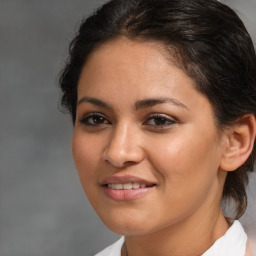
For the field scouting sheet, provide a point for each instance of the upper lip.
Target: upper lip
(124, 180)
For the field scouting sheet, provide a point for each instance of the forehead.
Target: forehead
(129, 52)
(132, 63)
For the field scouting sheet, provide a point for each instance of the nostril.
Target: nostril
(128, 163)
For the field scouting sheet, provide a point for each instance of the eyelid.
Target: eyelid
(169, 119)
(92, 114)
(161, 115)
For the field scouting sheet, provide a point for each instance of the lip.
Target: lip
(125, 179)
(123, 194)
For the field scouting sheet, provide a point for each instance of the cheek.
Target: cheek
(85, 157)
(169, 155)
(189, 175)
(186, 159)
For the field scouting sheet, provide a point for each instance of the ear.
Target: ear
(240, 142)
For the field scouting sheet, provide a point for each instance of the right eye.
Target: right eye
(94, 119)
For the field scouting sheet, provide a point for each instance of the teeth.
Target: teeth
(135, 185)
(126, 186)
(110, 185)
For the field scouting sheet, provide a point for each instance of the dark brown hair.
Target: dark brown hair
(208, 41)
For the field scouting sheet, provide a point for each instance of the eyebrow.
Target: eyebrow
(138, 105)
(94, 101)
(152, 102)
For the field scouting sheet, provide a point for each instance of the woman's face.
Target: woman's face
(145, 143)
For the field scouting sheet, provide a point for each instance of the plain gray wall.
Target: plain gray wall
(43, 210)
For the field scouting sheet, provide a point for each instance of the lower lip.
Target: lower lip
(126, 195)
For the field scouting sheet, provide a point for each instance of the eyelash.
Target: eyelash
(90, 119)
(161, 121)
(165, 121)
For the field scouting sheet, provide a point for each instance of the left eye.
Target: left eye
(159, 121)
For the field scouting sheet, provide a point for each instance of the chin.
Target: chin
(129, 230)
(126, 225)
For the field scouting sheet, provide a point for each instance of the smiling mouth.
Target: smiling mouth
(128, 186)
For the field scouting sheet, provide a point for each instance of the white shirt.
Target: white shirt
(233, 243)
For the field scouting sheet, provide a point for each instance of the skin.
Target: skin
(180, 151)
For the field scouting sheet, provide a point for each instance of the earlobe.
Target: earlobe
(239, 144)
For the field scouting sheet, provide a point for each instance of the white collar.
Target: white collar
(233, 243)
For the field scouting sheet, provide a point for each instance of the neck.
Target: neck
(190, 237)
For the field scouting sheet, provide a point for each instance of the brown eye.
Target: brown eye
(94, 119)
(159, 121)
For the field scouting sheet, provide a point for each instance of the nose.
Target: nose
(124, 147)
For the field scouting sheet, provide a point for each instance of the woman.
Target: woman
(163, 99)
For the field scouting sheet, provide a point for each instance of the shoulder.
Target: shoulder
(112, 250)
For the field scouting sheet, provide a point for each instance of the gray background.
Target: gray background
(43, 210)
